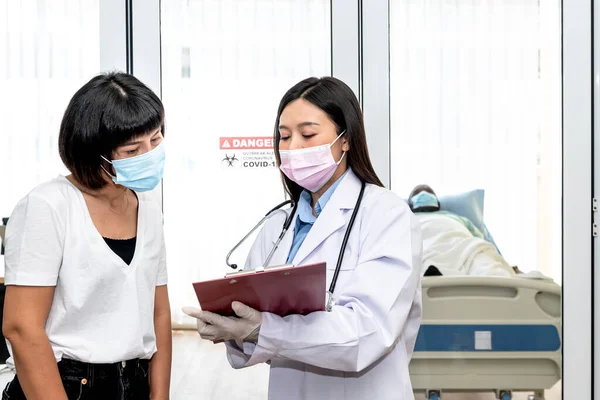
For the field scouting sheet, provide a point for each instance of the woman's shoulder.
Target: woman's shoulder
(380, 198)
(384, 209)
(56, 192)
(48, 199)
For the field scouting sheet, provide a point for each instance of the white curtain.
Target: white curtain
(475, 103)
(226, 64)
(48, 49)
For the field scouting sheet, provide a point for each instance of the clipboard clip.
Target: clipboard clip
(256, 270)
(330, 301)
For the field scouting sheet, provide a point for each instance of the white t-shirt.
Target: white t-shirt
(103, 309)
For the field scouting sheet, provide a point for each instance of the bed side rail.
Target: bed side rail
(475, 299)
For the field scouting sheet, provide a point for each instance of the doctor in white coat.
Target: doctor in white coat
(361, 349)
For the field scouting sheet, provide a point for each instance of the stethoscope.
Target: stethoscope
(286, 225)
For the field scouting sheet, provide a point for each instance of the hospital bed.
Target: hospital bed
(488, 334)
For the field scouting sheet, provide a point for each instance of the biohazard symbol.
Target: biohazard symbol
(230, 160)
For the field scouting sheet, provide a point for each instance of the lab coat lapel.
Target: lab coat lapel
(281, 254)
(331, 218)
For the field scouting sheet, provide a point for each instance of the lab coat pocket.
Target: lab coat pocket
(347, 268)
(349, 262)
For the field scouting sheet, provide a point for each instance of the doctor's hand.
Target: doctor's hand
(211, 326)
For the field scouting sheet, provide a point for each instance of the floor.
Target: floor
(201, 371)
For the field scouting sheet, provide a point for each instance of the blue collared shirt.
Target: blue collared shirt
(305, 219)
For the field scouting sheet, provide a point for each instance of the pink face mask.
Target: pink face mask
(310, 168)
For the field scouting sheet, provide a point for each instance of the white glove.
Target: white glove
(217, 328)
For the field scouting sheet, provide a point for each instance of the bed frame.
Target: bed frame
(488, 334)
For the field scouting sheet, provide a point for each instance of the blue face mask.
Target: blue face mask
(424, 199)
(140, 173)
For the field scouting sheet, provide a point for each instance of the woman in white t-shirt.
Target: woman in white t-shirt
(87, 313)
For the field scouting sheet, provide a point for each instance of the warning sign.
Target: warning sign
(247, 152)
(246, 143)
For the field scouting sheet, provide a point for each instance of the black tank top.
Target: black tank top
(124, 248)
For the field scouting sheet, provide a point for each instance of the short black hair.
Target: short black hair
(108, 111)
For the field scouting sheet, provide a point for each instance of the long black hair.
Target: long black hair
(338, 101)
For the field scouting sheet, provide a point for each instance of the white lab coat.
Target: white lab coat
(362, 348)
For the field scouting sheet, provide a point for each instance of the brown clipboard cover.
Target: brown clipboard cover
(281, 290)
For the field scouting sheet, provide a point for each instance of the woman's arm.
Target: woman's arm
(26, 309)
(160, 365)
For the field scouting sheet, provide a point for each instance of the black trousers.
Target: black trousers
(83, 381)
(3, 348)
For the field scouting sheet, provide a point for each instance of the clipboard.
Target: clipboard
(281, 290)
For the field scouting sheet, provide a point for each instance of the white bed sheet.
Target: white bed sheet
(449, 246)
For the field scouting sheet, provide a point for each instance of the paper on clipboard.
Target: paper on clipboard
(282, 290)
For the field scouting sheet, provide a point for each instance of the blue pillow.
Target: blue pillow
(468, 205)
